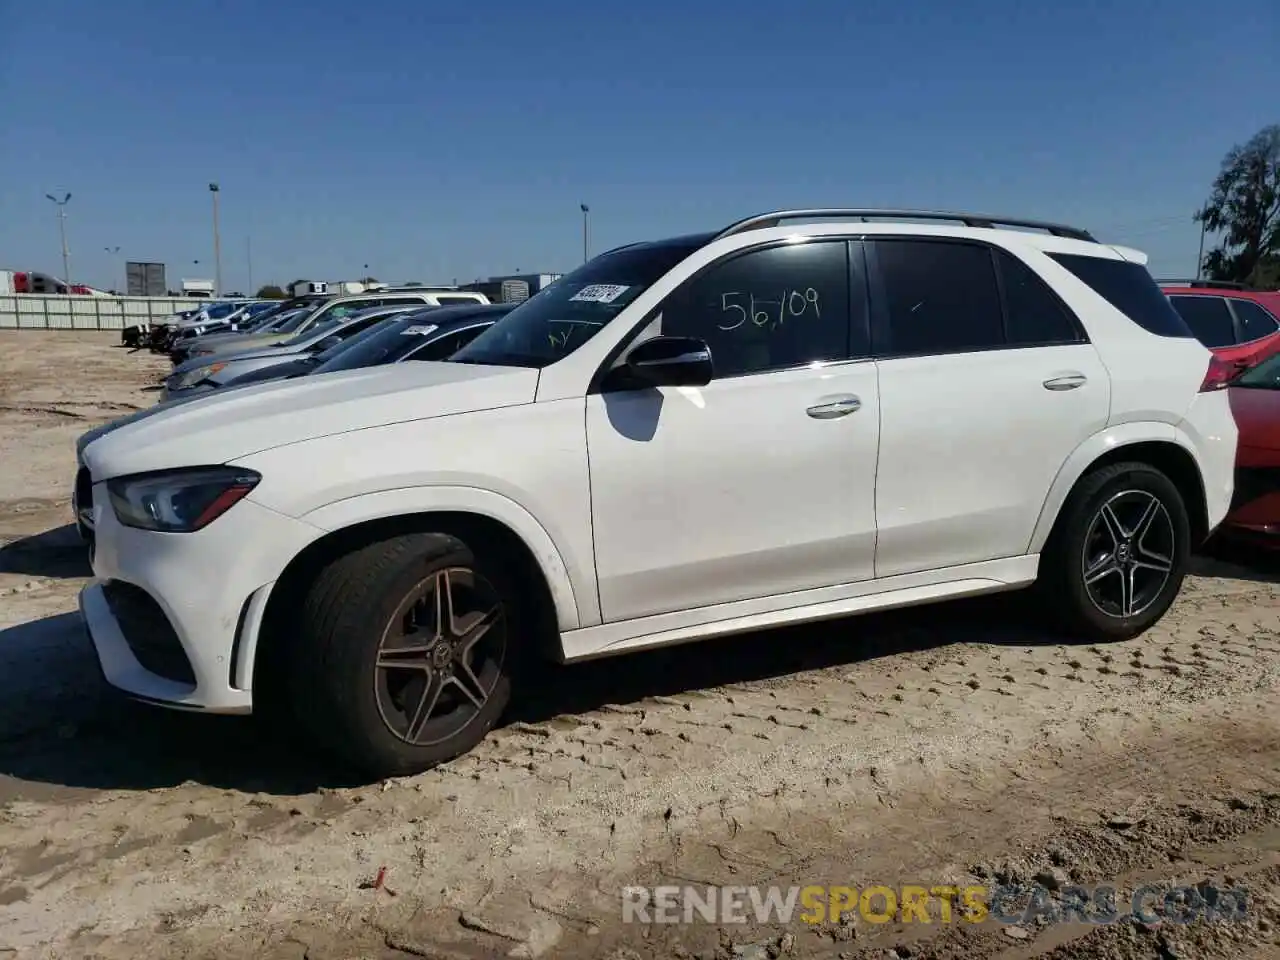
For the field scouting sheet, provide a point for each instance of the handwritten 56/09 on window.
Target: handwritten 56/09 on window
(766, 313)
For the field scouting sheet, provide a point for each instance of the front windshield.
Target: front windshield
(221, 310)
(288, 324)
(381, 343)
(562, 317)
(311, 334)
(1265, 376)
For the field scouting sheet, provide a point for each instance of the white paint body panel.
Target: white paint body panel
(705, 495)
(726, 509)
(971, 442)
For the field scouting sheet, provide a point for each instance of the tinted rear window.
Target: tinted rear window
(1129, 288)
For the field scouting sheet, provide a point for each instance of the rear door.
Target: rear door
(987, 385)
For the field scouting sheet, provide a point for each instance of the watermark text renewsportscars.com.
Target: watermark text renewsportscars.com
(939, 903)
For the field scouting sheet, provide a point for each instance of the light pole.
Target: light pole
(585, 211)
(217, 245)
(248, 254)
(115, 251)
(1200, 258)
(62, 231)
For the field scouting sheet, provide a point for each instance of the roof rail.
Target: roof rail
(1207, 284)
(765, 220)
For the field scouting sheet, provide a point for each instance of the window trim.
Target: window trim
(882, 330)
(628, 340)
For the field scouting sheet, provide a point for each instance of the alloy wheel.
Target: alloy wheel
(440, 657)
(1128, 553)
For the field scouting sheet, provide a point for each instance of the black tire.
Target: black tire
(1079, 543)
(348, 703)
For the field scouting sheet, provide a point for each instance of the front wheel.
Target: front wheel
(1117, 559)
(406, 653)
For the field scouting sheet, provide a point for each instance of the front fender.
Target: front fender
(439, 499)
(1087, 453)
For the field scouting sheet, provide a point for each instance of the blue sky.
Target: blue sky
(437, 140)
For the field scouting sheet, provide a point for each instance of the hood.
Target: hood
(226, 424)
(251, 352)
(89, 436)
(221, 343)
(297, 367)
(1257, 416)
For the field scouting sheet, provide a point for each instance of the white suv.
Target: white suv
(806, 415)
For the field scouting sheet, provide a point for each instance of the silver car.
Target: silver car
(199, 373)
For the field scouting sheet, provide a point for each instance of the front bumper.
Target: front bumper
(174, 617)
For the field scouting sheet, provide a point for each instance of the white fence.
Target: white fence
(38, 311)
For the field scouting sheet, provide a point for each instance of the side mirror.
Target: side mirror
(670, 362)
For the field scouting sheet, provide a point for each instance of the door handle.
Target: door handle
(840, 407)
(1066, 381)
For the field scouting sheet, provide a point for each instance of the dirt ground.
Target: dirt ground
(949, 745)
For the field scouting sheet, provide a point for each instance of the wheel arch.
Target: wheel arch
(1162, 447)
(537, 564)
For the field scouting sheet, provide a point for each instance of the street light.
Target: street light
(585, 210)
(62, 231)
(217, 245)
(113, 251)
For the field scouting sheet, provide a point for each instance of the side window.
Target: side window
(768, 309)
(1033, 314)
(446, 301)
(1129, 288)
(1208, 318)
(940, 297)
(1255, 321)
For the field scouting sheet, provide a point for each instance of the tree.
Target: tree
(1244, 207)
(270, 292)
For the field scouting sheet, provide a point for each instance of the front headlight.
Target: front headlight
(179, 501)
(192, 377)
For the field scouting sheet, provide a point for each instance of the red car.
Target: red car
(1255, 508)
(1240, 326)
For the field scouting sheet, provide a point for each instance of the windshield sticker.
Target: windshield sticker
(600, 292)
(421, 329)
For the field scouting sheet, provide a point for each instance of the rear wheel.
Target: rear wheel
(1117, 559)
(406, 653)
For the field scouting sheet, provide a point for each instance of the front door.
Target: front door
(762, 482)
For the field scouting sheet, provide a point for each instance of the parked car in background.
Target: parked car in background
(1255, 506)
(206, 372)
(280, 321)
(159, 333)
(435, 333)
(1240, 326)
(200, 325)
(334, 308)
(803, 415)
(148, 333)
(244, 322)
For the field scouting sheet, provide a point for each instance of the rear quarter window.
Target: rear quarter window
(1129, 288)
(1255, 321)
